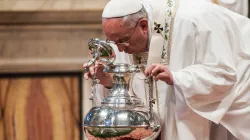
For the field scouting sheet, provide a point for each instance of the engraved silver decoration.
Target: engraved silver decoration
(122, 115)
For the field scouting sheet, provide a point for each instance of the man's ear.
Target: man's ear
(144, 25)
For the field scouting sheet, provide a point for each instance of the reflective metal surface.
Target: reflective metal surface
(122, 115)
(114, 123)
(108, 116)
(102, 51)
(121, 134)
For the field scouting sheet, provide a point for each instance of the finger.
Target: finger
(149, 69)
(99, 68)
(87, 75)
(85, 65)
(99, 71)
(158, 69)
(97, 63)
(163, 77)
(92, 70)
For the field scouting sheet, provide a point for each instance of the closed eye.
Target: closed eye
(123, 40)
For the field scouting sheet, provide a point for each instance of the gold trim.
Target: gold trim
(168, 52)
(215, 1)
(171, 32)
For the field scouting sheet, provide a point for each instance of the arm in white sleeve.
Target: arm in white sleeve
(238, 6)
(207, 83)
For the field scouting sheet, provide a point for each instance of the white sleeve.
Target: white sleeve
(238, 6)
(206, 84)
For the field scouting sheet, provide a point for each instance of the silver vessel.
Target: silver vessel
(122, 115)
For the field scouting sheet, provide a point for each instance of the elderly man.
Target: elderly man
(199, 53)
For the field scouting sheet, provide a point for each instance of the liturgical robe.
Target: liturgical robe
(210, 63)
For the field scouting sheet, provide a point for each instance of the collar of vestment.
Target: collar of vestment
(161, 24)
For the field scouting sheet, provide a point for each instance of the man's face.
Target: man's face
(128, 39)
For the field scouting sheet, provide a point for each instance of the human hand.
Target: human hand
(160, 72)
(96, 71)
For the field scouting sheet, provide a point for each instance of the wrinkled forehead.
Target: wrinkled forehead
(114, 27)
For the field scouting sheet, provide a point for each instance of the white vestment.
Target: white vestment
(238, 6)
(210, 63)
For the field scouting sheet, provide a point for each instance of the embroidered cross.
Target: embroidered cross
(158, 28)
